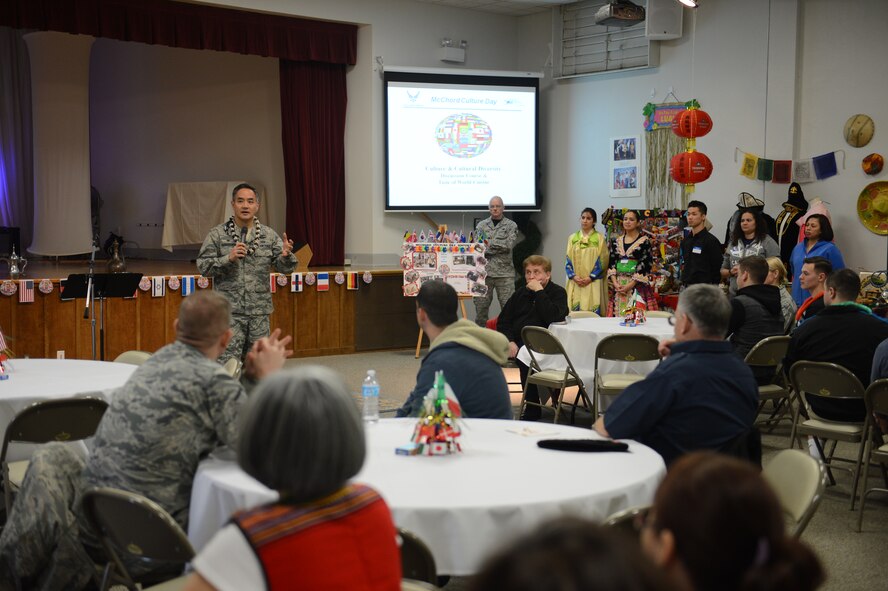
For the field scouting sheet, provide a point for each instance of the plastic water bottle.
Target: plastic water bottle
(370, 394)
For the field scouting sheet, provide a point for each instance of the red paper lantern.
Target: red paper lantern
(692, 123)
(690, 167)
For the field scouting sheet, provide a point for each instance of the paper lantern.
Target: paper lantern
(692, 123)
(690, 167)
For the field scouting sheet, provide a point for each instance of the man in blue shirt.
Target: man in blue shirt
(701, 397)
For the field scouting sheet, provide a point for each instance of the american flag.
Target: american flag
(26, 291)
(3, 345)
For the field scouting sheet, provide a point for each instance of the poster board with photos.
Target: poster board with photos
(461, 265)
(665, 229)
(625, 171)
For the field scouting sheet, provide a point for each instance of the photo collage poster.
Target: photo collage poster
(625, 167)
(461, 265)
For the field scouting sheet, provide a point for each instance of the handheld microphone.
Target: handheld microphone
(244, 234)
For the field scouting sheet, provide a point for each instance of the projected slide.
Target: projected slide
(454, 146)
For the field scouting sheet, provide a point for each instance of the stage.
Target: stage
(374, 316)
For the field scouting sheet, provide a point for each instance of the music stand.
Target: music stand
(105, 285)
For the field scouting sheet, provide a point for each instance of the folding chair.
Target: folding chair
(829, 381)
(876, 399)
(133, 357)
(417, 562)
(768, 354)
(629, 520)
(798, 480)
(658, 314)
(68, 419)
(621, 347)
(233, 367)
(576, 314)
(540, 341)
(130, 525)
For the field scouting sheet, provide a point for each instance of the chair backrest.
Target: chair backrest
(876, 398)
(233, 367)
(798, 480)
(414, 585)
(627, 519)
(540, 341)
(627, 347)
(583, 314)
(68, 419)
(658, 314)
(417, 561)
(768, 352)
(133, 357)
(828, 380)
(127, 523)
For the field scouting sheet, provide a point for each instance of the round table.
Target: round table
(465, 505)
(36, 380)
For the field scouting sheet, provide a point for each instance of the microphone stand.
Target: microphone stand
(89, 310)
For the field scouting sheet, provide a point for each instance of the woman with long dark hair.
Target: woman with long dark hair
(631, 260)
(586, 266)
(749, 238)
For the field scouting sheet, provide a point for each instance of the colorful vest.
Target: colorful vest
(343, 541)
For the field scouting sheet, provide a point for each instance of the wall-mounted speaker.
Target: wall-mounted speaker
(663, 20)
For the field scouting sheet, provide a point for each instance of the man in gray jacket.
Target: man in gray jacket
(502, 234)
(239, 255)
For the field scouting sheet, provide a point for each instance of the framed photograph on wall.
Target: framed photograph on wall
(625, 166)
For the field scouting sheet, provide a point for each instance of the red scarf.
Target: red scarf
(806, 304)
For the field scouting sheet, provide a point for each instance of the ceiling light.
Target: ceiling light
(690, 3)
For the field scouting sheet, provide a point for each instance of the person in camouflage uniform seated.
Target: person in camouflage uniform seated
(502, 234)
(172, 412)
(239, 255)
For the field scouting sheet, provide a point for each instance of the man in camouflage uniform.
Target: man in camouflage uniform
(173, 411)
(502, 234)
(239, 256)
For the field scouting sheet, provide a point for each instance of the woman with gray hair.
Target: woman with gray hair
(302, 436)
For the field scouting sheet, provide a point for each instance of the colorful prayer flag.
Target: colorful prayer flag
(782, 171)
(765, 170)
(351, 281)
(749, 166)
(825, 166)
(158, 287)
(803, 171)
(26, 291)
(323, 281)
(187, 285)
(272, 282)
(296, 282)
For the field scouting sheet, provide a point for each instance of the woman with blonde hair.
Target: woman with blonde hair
(777, 277)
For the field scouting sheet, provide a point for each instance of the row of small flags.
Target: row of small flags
(805, 170)
(452, 237)
(158, 285)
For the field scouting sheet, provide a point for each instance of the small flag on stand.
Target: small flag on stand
(158, 287)
(323, 281)
(26, 291)
(296, 282)
(272, 282)
(3, 345)
(187, 285)
(351, 281)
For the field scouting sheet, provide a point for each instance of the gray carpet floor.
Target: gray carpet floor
(853, 561)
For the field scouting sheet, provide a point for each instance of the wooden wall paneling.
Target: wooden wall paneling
(306, 305)
(121, 326)
(83, 330)
(7, 325)
(152, 322)
(28, 321)
(283, 314)
(173, 301)
(384, 318)
(347, 322)
(328, 317)
(60, 320)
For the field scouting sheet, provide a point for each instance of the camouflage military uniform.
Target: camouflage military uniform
(244, 282)
(500, 270)
(174, 410)
(39, 547)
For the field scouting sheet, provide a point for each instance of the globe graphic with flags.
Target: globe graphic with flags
(463, 135)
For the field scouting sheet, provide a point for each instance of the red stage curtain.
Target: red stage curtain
(313, 101)
(190, 26)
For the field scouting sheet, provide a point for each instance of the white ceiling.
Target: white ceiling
(510, 7)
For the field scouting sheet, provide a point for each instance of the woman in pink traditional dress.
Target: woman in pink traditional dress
(631, 259)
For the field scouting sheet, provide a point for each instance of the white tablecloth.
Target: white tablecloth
(35, 380)
(466, 505)
(580, 337)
